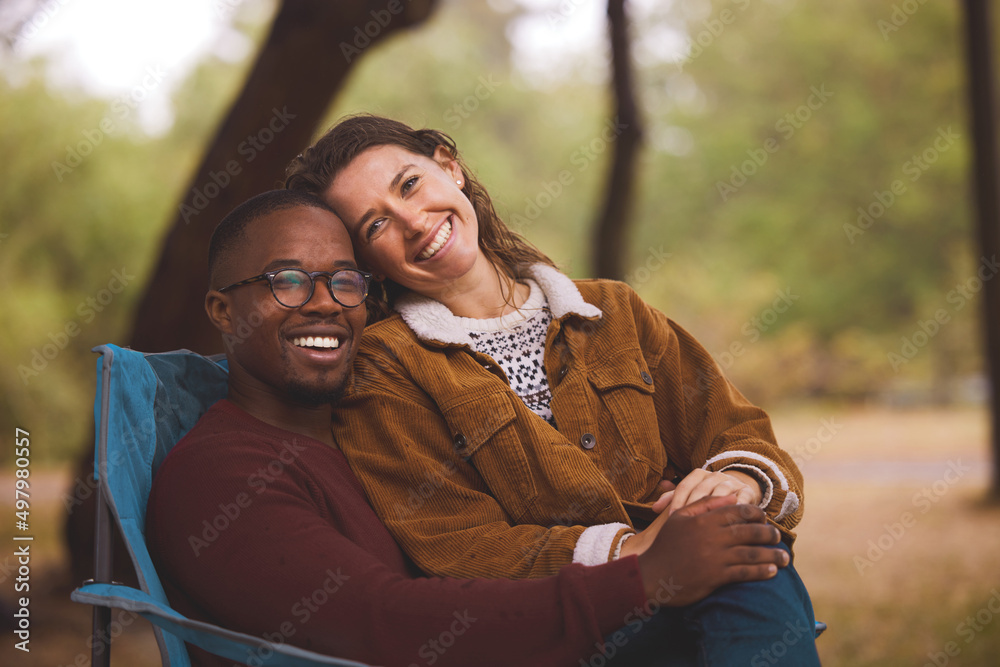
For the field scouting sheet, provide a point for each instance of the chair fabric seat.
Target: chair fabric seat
(145, 403)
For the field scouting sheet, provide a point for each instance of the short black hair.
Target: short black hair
(231, 232)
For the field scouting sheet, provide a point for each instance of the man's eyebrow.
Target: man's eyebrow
(297, 264)
(282, 264)
(392, 186)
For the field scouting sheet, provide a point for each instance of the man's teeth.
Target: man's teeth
(317, 341)
(442, 236)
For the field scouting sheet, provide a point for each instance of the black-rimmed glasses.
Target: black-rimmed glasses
(293, 288)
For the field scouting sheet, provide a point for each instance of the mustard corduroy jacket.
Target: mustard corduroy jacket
(472, 483)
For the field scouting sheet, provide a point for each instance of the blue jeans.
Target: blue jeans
(757, 624)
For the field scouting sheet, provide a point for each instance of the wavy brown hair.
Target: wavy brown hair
(315, 168)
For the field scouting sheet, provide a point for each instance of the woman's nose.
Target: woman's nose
(414, 222)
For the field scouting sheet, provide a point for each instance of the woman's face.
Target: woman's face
(408, 217)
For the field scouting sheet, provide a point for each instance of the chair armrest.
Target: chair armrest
(226, 643)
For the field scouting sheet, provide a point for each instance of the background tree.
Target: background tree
(304, 61)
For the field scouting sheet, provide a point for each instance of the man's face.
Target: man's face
(300, 355)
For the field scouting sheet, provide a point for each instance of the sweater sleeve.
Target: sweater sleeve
(251, 544)
(705, 422)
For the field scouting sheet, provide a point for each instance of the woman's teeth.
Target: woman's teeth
(318, 341)
(442, 236)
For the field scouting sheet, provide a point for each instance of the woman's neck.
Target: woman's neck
(484, 294)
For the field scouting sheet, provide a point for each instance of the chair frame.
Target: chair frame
(172, 629)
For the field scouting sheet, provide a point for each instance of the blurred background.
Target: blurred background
(799, 197)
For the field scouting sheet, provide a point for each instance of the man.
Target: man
(303, 559)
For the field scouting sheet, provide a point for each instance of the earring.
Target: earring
(459, 183)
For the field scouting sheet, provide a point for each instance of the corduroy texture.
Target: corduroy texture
(473, 484)
(268, 532)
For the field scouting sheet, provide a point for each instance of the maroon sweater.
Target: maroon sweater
(268, 532)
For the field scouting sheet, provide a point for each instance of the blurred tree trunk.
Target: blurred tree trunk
(611, 227)
(312, 46)
(986, 181)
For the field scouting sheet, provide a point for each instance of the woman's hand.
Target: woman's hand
(700, 484)
(708, 544)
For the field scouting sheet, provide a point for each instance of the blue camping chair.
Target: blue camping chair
(144, 404)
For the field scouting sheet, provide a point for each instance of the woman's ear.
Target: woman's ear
(448, 162)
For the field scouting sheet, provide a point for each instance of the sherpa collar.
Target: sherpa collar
(431, 320)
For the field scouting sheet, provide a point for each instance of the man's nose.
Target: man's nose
(322, 297)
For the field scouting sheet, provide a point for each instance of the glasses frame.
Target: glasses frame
(269, 277)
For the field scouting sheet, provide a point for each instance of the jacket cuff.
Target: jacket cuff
(789, 499)
(766, 485)
(596, 544)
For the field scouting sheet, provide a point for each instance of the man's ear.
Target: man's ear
(217, 307)
(448, 162)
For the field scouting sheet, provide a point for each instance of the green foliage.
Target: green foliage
(84, 197)
(752, 193)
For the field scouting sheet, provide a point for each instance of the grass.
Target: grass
(900, 578)
(898, 547)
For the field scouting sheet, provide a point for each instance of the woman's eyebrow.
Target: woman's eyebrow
(399, 176)
(392, 186)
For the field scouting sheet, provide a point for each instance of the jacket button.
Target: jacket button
(460, 440)
(646, 377)
(587, 441)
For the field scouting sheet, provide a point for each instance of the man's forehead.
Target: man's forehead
(301, 230)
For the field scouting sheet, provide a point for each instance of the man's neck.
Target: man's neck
(307, 420)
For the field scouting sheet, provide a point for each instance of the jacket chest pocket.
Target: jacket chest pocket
(484, 434)
(633, 457)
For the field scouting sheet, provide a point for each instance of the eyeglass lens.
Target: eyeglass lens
(293, 287)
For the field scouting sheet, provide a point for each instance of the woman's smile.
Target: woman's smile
(444, 233)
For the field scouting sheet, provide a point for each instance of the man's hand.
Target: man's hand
(700, 484)
(708, 544)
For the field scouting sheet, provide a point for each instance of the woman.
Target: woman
(507, 420)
